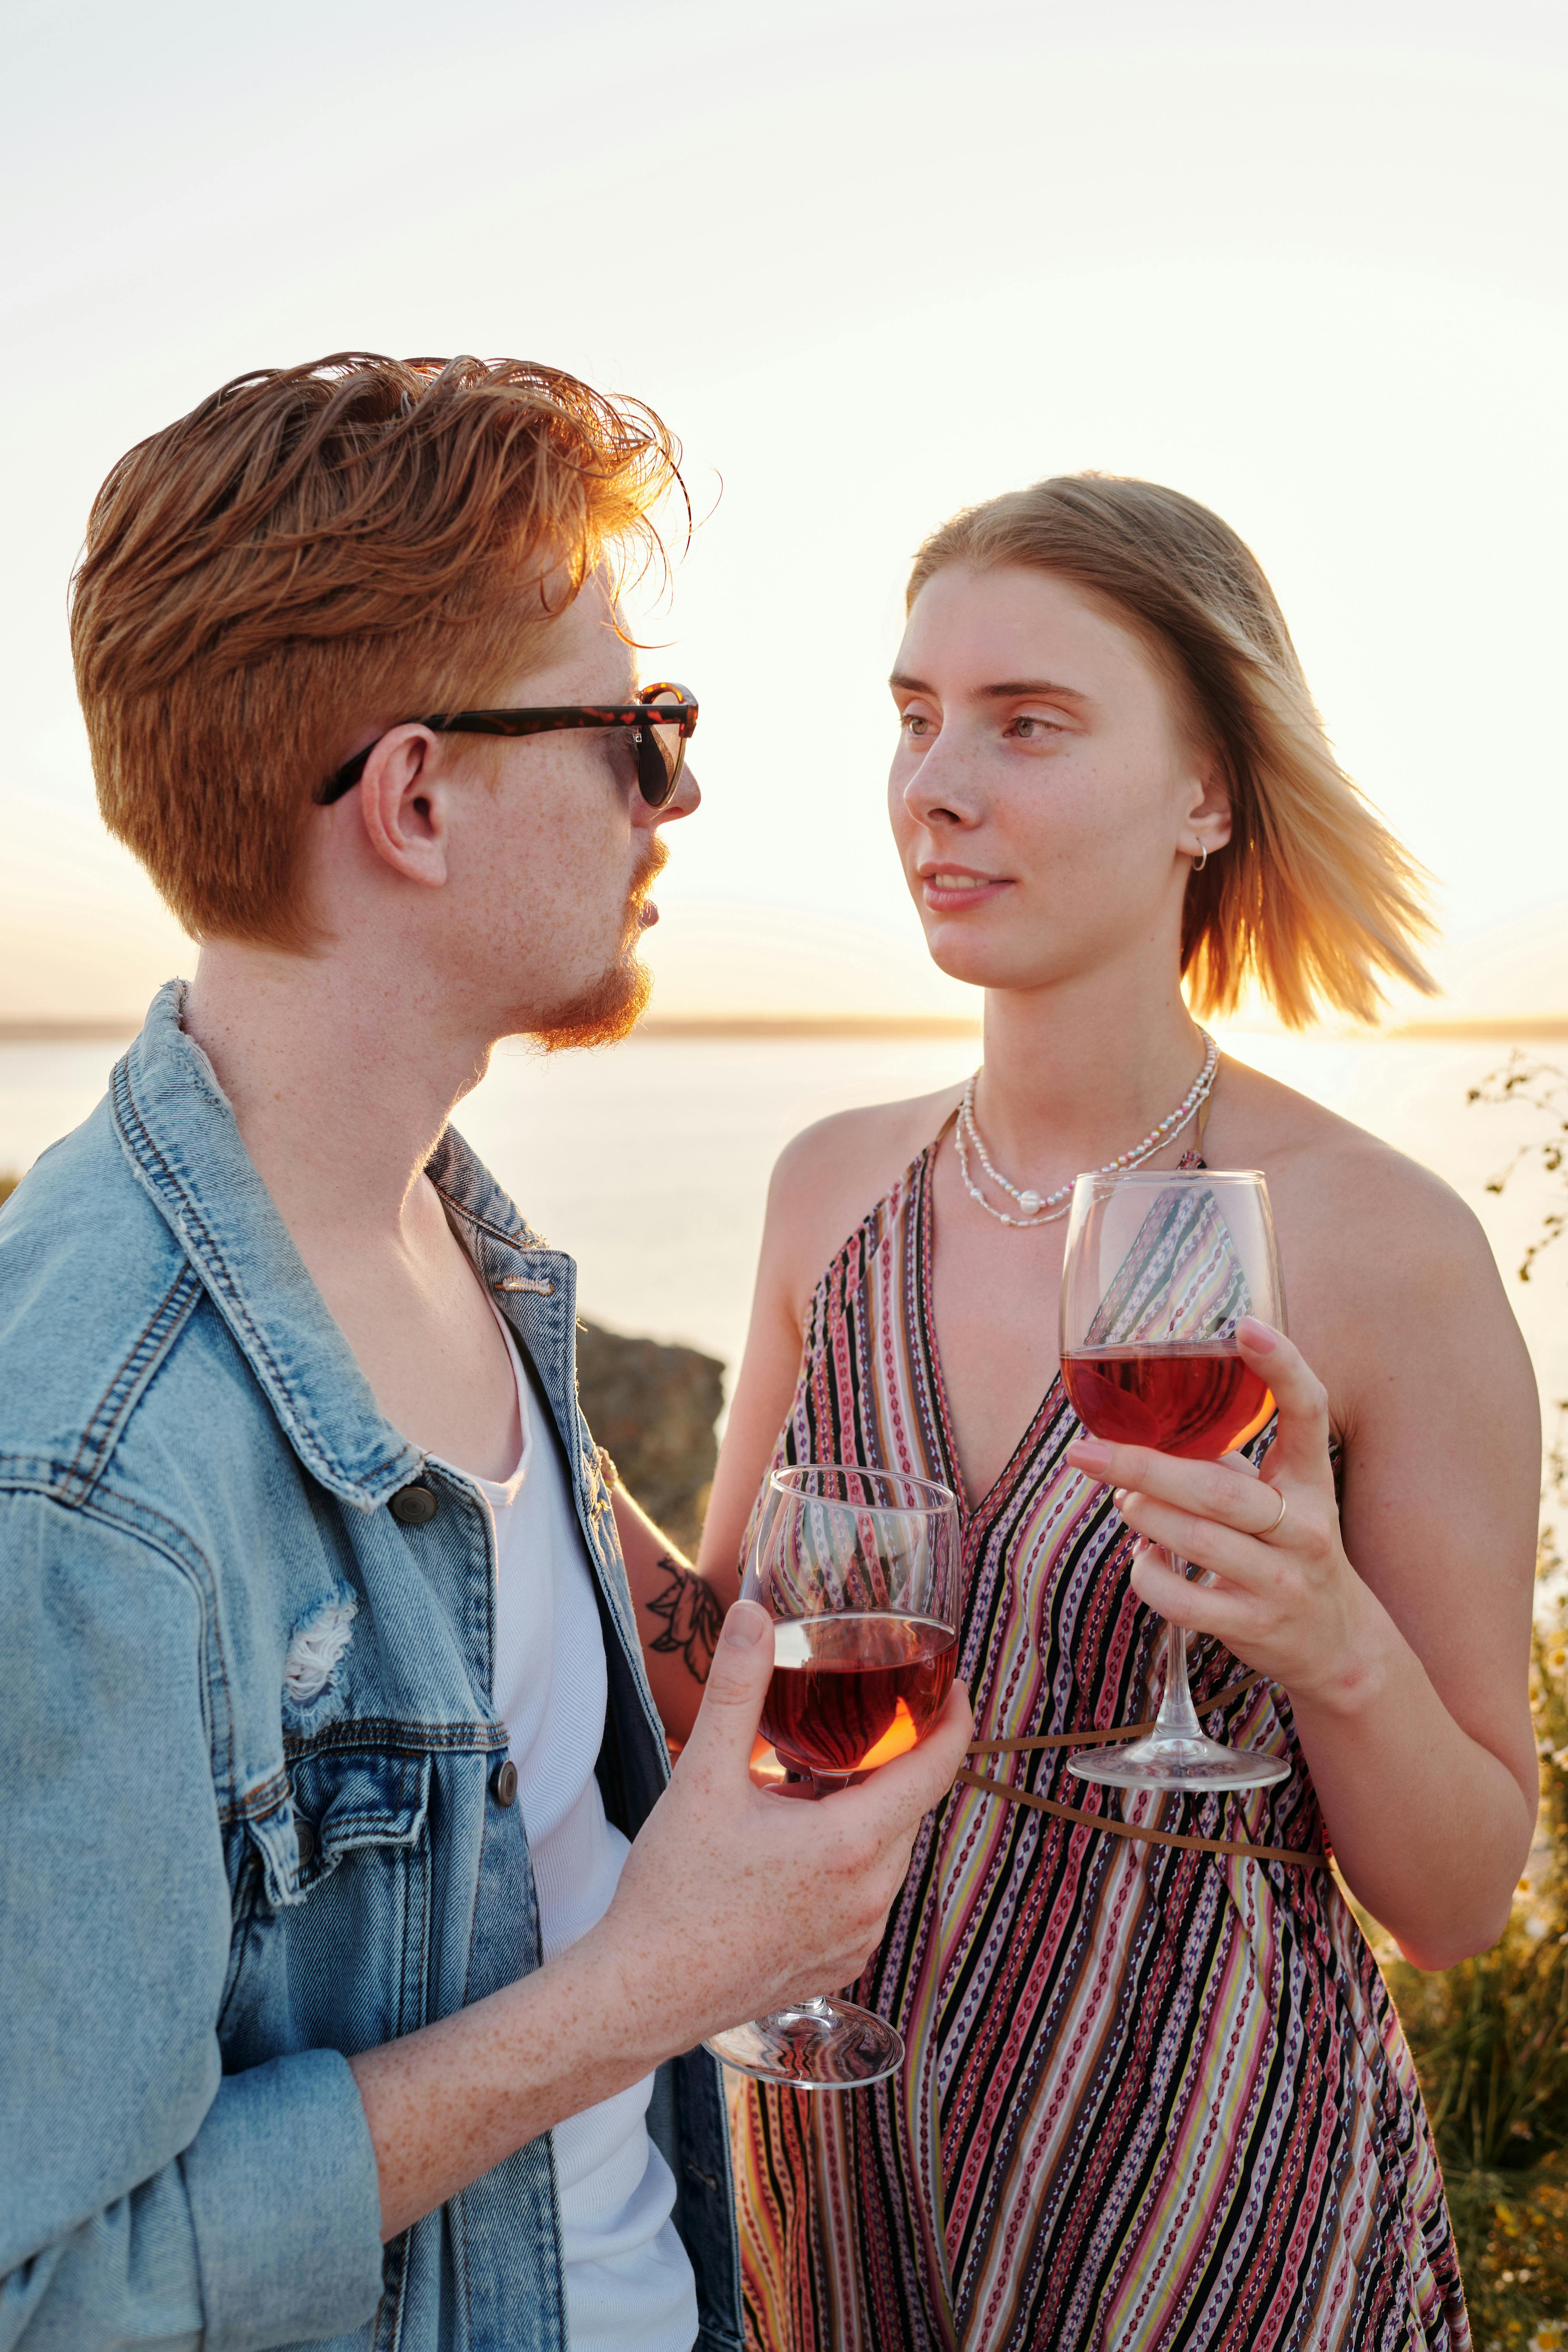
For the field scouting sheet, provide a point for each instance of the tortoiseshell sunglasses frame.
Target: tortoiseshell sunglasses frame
(658, 789)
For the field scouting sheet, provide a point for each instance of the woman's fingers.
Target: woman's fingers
(1208, 1490)
(1226, 1613)
(1300, 1446)
(1209, 1541)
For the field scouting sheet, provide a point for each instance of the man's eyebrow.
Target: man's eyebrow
(1007, 690)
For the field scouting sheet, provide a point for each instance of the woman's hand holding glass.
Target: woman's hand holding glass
(1282, 1595)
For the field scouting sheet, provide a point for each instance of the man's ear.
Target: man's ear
(403, 805)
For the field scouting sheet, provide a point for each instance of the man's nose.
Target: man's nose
(686, 800)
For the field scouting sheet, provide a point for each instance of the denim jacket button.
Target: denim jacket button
(506, 1783)
(414, 1507)
(305, 1837)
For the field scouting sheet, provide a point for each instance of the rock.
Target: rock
(652, 1407)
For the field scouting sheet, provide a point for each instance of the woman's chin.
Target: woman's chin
(982, 963)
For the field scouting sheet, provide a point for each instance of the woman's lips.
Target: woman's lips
(949, 890)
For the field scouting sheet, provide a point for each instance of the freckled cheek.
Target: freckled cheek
(1077, 817)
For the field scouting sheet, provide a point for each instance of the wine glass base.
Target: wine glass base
(1172, 1761)
(822, 2045)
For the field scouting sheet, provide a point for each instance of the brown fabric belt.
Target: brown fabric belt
(1294, 1856)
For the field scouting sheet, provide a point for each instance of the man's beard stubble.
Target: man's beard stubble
(614, 1005)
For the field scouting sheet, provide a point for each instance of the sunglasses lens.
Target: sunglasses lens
(661, 755)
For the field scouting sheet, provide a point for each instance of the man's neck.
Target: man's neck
(340, 1080)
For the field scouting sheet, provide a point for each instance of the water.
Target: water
(650, 1162)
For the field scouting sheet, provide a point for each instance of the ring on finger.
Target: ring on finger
(1275, 1522)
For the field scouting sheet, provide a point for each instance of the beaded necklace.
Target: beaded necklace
(1042, 1209)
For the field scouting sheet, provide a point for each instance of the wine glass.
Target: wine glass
(860, 1570)
(1160, 1265)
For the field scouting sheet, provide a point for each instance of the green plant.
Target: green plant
(1491, 2042)
(1512, 2230)
(1490, 2037)
(1544, 1088)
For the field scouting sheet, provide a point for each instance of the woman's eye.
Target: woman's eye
(1032, 729)
(915, 724)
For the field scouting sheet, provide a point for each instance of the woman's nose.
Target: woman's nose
(935, 792)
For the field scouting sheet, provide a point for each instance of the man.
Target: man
(308, 1569)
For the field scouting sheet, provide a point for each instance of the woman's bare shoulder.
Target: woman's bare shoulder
(1356, 1197)
(830, 1175)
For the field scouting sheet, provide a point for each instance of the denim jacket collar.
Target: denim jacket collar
(179, 1133)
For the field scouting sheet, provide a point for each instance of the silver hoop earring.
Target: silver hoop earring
(1202, 859)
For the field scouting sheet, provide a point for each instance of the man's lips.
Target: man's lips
(950, 890)
(641, 910)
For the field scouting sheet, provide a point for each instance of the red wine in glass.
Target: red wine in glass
(1181, 1397)
(859, 1570)
(852, 1691)
(1160, 1265)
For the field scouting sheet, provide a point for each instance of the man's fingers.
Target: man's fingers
(738, 1679)
(923, 1775)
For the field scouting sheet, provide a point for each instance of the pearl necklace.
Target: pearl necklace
(1041, 1209)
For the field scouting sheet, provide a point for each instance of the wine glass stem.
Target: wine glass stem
(1177, 1716)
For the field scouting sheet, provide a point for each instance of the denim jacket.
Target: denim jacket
(251, 1812)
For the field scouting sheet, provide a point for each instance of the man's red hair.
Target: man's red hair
(315, 552)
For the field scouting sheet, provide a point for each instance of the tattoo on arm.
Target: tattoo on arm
(692, 1618)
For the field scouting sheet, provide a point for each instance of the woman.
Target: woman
(1156, 2095)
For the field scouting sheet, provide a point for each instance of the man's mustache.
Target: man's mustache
(648, 873)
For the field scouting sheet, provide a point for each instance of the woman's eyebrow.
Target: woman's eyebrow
(1007, 690)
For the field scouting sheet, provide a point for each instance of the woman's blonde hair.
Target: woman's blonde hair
(1314, 896)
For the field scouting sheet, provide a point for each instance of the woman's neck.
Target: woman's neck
(1074, 1076)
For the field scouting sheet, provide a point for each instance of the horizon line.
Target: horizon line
(1524, 1028)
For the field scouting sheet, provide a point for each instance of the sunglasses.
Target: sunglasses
(661, 719)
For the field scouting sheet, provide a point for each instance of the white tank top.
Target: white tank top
(628, 2280)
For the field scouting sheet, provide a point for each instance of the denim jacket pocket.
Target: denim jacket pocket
(342, 1865)
(343, 1801)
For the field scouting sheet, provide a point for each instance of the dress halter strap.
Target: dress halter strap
(1195, 1158)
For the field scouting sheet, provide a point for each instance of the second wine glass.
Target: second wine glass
(1161, 1266)
(859, 1570)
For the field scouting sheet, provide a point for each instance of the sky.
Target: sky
(871, 262)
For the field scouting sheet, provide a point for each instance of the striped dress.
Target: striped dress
(1154, 2097)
